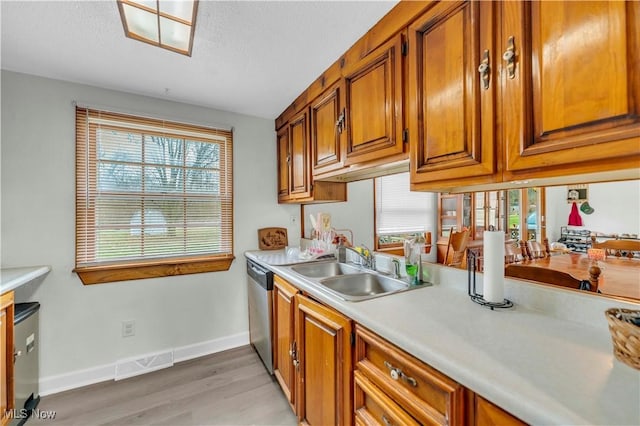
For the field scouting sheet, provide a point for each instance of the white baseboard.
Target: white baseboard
(196, 350)
(75, 379)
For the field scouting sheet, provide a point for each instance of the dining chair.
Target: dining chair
(456, 248)
(532, 249)
(551, 276)
(512, 252)
(618, 248)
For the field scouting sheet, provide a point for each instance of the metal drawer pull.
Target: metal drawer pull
(397, 373)
(386, 421)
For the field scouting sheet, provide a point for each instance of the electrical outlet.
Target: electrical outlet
(128, 328)
(293, 218)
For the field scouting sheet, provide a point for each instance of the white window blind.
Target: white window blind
(150, 189)
(398, 210)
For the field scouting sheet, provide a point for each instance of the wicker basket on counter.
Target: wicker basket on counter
(625, 335)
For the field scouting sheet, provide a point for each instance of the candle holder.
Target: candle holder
(476, 297)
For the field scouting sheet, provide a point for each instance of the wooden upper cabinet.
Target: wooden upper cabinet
(451, 104)
(295, 184)
(374, 103)
(283, 162)
(571, 98)
(299, 160)
(327, 128)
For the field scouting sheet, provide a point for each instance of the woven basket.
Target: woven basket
(625, 335)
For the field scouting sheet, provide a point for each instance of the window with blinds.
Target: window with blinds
(153, 198)
(401, 213)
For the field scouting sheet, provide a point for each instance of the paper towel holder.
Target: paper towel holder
(471, 285)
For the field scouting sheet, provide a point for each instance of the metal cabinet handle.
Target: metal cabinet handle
(296, 364)
(386, 421)
(397, 373)
(16, 354)
(484, 70)
(509, 56)
(340, 122)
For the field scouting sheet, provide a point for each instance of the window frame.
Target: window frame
(107, 271)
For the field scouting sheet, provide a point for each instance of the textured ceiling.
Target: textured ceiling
(250, 57)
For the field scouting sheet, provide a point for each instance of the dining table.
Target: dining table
(620, 276)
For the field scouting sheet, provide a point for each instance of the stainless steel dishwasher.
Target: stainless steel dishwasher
(26, 342)
(260, 292)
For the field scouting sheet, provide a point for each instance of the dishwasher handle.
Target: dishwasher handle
(260, 274)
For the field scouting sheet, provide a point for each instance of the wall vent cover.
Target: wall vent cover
(140, 365)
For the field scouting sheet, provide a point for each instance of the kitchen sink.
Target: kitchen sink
(325, 269)
(351, 282)
(363, 286)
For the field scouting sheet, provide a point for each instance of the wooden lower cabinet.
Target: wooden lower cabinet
(394, 388)
(333, 375)
(423, 393)
(323, 364)
(488, 414)
(312, 357)
(374, 407)
(284, 336)
(6, 357)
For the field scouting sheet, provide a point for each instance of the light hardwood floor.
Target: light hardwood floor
(227, 388)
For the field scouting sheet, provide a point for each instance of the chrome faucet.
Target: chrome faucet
(366, 257)
(396, 268)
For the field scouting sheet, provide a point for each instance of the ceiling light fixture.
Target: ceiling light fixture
(169, 24)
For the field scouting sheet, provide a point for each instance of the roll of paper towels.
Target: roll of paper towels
(493, 252)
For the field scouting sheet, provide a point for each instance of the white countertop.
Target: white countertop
(548, 360)
(12, 278)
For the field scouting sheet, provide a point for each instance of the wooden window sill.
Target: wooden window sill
(152, 269)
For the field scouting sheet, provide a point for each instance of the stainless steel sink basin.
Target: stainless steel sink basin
(363, 286)
(325, 269)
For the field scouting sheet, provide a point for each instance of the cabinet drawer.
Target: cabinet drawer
(373, 407)
(425, 393)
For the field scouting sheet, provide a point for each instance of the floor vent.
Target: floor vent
(136, 366)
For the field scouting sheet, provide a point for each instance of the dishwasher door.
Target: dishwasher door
(260, 294)
(26, 375)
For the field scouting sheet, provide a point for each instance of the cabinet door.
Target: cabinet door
(6, 357)
(451, 111)
(4, 401)
(572, 95)
(299, 161)
(283, 163)
(488, 414)
(327, 125)
(373, 89)
(324, 371)
(284, 336)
